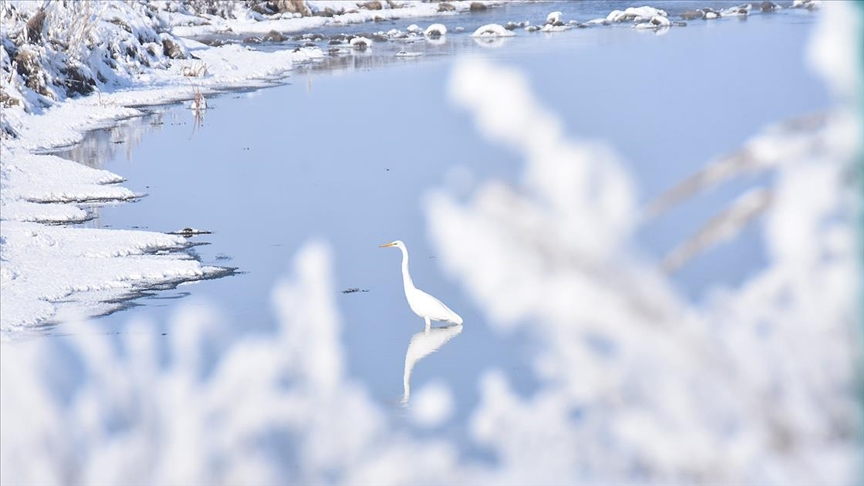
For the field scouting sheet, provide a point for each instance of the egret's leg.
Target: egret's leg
(428, 324)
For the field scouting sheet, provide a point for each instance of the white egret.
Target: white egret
(423, 304)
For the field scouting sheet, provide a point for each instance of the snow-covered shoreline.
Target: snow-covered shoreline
(43, 265)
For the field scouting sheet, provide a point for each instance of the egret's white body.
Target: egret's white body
(421, 303)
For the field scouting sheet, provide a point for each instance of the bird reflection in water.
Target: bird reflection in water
(423, 344)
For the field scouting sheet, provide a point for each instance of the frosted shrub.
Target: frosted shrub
(761, 384)
(69, 48)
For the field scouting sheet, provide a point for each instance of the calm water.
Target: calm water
(348, 159)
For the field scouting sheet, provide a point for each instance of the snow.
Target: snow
(408, 55)
(739, 11)
(555, 28)
(492, 30)
(85, 268)
(361, 43)
(436, 30)
(411, 9)
(554, 17)
(756, 385)
(635, 14)
(50, 179)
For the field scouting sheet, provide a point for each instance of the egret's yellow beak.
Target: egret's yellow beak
(386, 245)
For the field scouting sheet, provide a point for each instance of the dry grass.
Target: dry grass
(196, 69)
(82, 24)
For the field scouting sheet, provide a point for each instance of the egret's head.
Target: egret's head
(397, 244)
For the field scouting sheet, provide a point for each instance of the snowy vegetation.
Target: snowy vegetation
(52, 50)
(64, 49)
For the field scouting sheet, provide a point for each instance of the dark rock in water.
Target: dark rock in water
(434, 33)
(358, 42)
(309, 44)
(445, 7)
(477, 7)
(379, 38)
(693, 14)
(334, 42)
(742, 10)
(710, 14)
(768, 6)
(297, 37)
(511, 26)
(373, 5)
(354, 290)
(274, 36)
(189, 232)
(172, 49)
(678, 23)
(532, 28)
(251, 40)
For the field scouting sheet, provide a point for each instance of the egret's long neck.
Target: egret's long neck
(406, 277)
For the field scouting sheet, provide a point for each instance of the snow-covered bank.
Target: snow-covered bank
(242, 20)
(46, 268)
(91, 271)
(48, 189)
